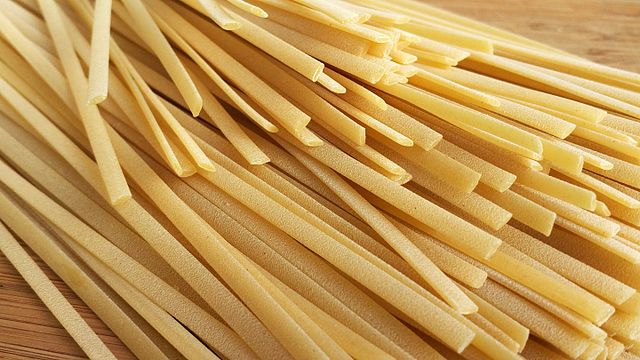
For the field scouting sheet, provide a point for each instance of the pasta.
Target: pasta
(304, 179)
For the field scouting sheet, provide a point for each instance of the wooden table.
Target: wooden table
(607, 31)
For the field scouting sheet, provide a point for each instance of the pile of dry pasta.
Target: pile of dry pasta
(317, 179)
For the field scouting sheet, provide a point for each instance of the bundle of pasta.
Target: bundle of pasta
(318, 179)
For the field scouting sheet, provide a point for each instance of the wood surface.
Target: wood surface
(607, 31)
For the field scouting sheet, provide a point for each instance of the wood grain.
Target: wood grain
(607, 31)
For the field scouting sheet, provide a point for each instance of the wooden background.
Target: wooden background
(607, 31)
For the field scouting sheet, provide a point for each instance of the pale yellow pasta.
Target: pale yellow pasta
(166, 325)
(618, 93)
(386, 326)
(478, 207)
(491, 175)
(117, 320)
(431, 59)
(340, 39)
(249, 8)
(447, 35)
(354, 29)
(228, 126)
(402, 57)
(148, 30)
(440, 166)
(291, 85)
(208, 176)
(582, 302)
(541, 323)
(369, 179)
(358, 89)
(81, 332)
(211, 245)
(287, 115)
(514, 330)
(161, 241)
(461, 339)
(41, 64)
(30, 25)
(514, 140)
(606, 188)
(337, 12)
(367, 120)
(429, 271)
(99, 67)
(534, 118)
(178, 160)
(355, 65)
(331, 85)
(440, 48)
(610, 244)
(370, 157)
(597, 282)
(325, 342)
(512, 91)
(557, 188)
(524, 210)
(93, 122)
(279, 49)
(479, 60)
(215, 12)
(452, 265)
(434, 83)
(219, 87)
(571, 65)
(624, 325)
(353, 343)
(614, 348)
(218, 181)
(580, 216)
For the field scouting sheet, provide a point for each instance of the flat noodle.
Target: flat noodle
(488, 213)
(167, 326)
(147, 29)
(30, 51)
(279, 49)
(316, 269)
(288, 115)
(452, 265)
(421, 135)
(93, 122)
(249, 8)
(340, 39)
(434, 83)
(219, 87)
(175, 254)
(30, 25)
(381, 229)
(152, 132)
(228, 126)
(524, 210)
(429, 271)
(99, 67)
(353, 343)
(468, 119)
(573, 213)
(118, 320)
(51, 296)
(170, 299)
(512, 91)
(438, 165)
(492, 63)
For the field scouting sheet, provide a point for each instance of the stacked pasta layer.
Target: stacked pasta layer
(318, 179)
